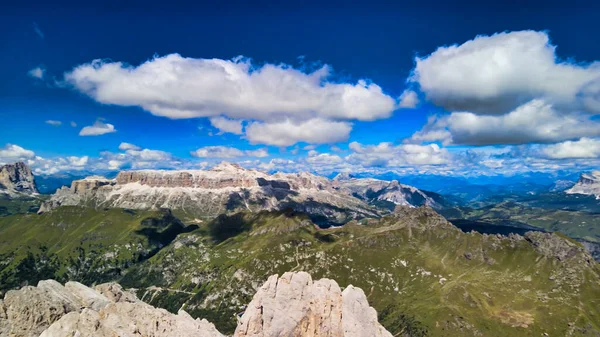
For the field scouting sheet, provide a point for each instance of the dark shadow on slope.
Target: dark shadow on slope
(226, 226)
(162, 231)
(497, 227)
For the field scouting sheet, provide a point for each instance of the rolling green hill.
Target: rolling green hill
(78, 243)
(423, 275)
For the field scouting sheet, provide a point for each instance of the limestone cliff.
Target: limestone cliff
(17, 179)
(292, 305)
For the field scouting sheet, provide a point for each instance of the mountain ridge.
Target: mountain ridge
(229, 187)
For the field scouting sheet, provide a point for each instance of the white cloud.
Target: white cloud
(73, 124)
(128, 146)
(228, 152)
(286, 133)
(533, 122)
(408, 99)
(225, 124)
(115, 164)
(324, 159)
(388, 154)
(260, 153)
(178, 87)
(12, 153)
(147, 155)
(78, 161)
(53, 122)
(99, 128)
(495, 74)
(230, 92)
(583, 148)
(37, 72)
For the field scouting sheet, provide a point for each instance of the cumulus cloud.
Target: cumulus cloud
(230, 92)
(147, 155)
(324, 159)
(496, 74)
(78, 161)
(53, 122)
(73, 124)
(388, 154)
(288, 132)
(408, 99)
(128, 146)
(99, 128)
(37, 72)
(177, 87)
(533, 122)
(582, 148)
(227, 125)
(227, 152)
(12, 153)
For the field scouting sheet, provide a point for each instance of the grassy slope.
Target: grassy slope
(423, 275)
(80, 243)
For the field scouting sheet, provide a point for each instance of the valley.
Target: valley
(503, 269)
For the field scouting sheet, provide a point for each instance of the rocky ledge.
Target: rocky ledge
(290, 305)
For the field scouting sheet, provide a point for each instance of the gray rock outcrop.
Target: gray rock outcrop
(54, 310)
(294, 305)
(17, 179)
(291, 305)
(588, 184)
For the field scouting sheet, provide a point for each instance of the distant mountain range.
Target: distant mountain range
(202, 194)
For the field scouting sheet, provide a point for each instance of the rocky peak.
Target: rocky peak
(290, 305)
(589, 178)
(17, 179)
(295, 305)
(588, 183)
(229, 167)
(343, 176)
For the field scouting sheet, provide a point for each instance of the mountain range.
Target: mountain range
(204, 194)
(206, 240)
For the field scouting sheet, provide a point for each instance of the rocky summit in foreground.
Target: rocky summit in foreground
(17, 179)
(290, 305)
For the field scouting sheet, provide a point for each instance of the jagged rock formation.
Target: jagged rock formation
(294, 305)
(229, 187)
(381, 190)
(589, 184)
(53, 310)
(17, 179)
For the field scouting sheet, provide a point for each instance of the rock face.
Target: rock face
(229, 187)
(17, 179)
(294, 305)
(381, 190)
(208, 193)
(53, 310)
(589, 184)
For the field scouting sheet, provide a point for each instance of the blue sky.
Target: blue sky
(320, 87)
